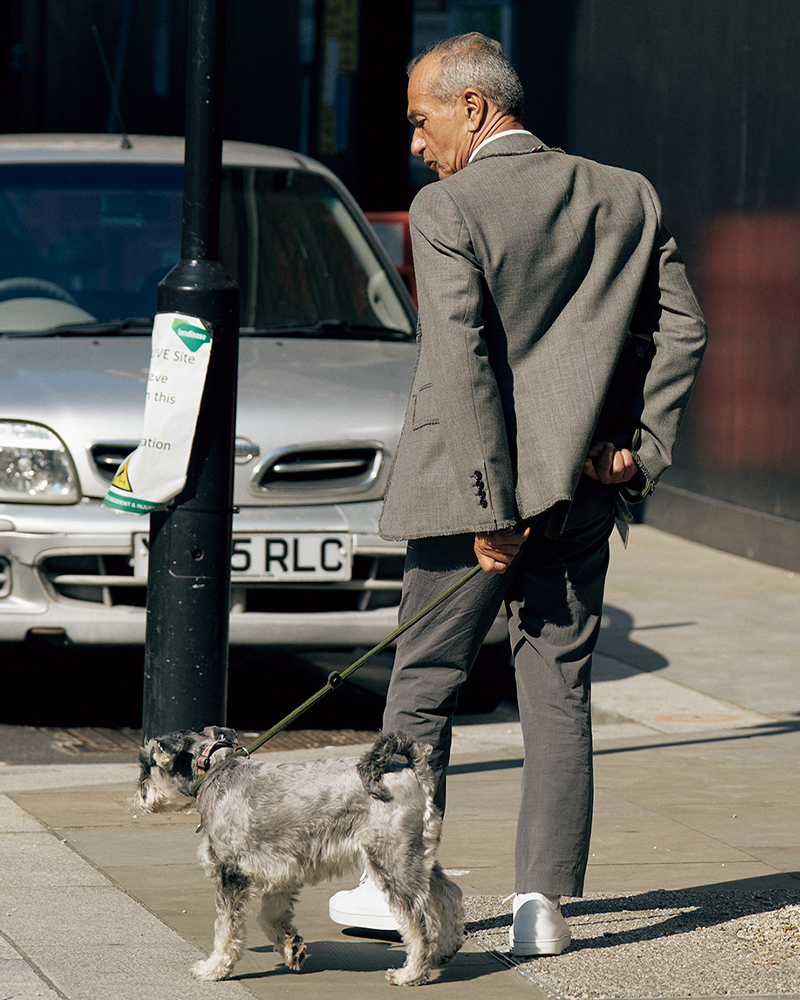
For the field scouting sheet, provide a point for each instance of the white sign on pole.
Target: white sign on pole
(156, 472)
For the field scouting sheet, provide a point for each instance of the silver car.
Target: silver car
(87, 230)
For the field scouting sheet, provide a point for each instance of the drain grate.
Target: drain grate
(88, 740)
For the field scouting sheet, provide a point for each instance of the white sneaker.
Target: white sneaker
(538, 928)
(365, 906)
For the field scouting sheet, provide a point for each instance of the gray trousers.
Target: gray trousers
(553, 594)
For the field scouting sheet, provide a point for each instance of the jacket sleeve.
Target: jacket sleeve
(463, 393)
(670, 335)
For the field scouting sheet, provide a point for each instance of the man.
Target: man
(558, 343)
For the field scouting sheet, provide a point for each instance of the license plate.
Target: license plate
(285, 557)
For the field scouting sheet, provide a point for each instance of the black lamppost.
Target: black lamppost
(188, 595)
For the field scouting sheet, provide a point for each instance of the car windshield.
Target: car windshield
(83, 247)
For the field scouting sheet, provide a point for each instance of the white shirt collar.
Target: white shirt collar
(498, 135)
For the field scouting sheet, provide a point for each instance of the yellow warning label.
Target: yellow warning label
(121, 480)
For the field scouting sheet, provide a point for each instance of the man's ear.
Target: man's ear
(474, 105)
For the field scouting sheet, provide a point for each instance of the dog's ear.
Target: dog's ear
(164, 750)
(219, 733)
(160, 755)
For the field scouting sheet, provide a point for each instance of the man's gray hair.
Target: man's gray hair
(474, 61)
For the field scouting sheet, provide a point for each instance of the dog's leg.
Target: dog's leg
(276, 920)
(409, 909)
(417, 966)
(233, 894)
(446, 903)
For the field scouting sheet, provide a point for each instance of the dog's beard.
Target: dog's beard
(155, 795)
(167, 769)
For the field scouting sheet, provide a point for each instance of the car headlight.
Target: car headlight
(35, 466)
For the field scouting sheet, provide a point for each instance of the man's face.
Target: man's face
(441, 136)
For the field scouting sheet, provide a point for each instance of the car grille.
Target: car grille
(297, 471)
(321, 469)
(108, 579)
(108, 456)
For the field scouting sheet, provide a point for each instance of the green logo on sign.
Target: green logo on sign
(193, 336)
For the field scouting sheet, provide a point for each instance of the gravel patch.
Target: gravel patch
(681, 943)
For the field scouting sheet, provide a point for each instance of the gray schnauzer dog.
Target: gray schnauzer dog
(270, 828)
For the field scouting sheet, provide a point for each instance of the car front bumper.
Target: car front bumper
(67, 576)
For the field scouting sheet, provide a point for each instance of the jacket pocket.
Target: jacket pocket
(424, 407)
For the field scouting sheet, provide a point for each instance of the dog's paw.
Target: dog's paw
(448, 950)
(211, 971)
(407, 977)
(294, 953)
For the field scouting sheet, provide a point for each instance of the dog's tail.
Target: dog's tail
(378, 760)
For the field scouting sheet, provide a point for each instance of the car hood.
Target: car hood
(312, 400)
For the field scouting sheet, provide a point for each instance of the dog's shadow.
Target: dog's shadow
(327, 956)
(371, 954)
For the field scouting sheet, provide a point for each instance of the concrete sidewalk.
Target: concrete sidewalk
(693, 886)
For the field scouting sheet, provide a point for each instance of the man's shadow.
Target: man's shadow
(698, 907)
(616, 640)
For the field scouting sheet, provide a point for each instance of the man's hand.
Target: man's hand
(608, 464)
(496, 549)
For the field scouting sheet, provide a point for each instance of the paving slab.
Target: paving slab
(69, 931)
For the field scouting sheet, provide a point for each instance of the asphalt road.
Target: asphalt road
(48, 686)
(59, 705)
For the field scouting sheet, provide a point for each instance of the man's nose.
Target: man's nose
(417, 144)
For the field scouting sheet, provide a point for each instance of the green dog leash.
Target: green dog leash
(336, 679)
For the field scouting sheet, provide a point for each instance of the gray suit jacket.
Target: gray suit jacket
(554, 310)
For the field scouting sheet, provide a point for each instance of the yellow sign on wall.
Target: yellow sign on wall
(340, 41)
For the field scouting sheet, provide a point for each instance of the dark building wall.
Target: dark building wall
(312, 75)
(359, 128)
(703, 99)
(54, 81)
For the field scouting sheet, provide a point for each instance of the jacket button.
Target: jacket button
(484, 503)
